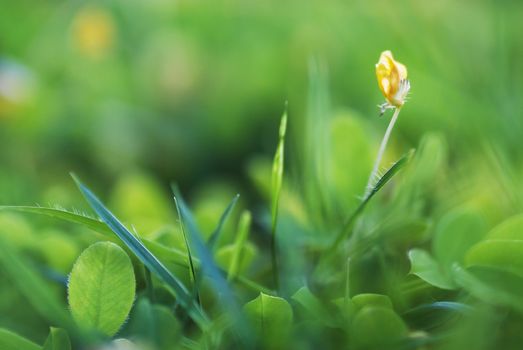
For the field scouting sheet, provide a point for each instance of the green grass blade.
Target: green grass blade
(276, 185)
(241, 237)
(209, 268)
(216, 233)
(172, 255)
(12, 341)
(146, 257)
(382, 181)
(58, 339)
(194, 278)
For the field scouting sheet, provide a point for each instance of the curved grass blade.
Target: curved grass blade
(146, 257)
(172, 255)
(13, 341)
(276, 185)
(209, 268)
(382, 181)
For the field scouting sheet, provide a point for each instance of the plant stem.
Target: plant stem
(381, 151)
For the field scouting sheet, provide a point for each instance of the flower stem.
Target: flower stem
(383, 146)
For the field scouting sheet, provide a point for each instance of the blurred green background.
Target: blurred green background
(132, 95)
(190, 90)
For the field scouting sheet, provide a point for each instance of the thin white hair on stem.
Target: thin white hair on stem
(381, 152)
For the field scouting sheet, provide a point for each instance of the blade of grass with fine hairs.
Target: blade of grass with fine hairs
(209, 267)
(183, 296)
(173, 255)
(276, 184)
(382, 181)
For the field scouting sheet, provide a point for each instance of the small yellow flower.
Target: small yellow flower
(392, 80)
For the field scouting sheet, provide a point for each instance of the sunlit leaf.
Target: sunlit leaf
(101, 288)
(184, 298)
(271, 318)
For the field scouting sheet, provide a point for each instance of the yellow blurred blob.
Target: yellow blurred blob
(93, 32)
(392, 79)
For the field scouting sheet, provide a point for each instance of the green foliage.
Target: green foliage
(134, 95)
(271, 318)
(455, 233)
(154, 324)
(425, 267)
(276, 186)
(377, 328)
(12, 341)
(101, 288)
(58, 339)
(145, 256)
(29, 282)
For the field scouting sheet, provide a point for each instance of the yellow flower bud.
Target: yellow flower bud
(392, 80)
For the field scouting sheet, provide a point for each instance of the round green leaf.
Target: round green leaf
(153, 324)
(511, 229)
(425, 267)
(455, 234)
(370, 299)
(101, 288)
(377, 327)
(504, 254)
(271, 318)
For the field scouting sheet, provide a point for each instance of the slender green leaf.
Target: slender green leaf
(146, 257)
(12, 341)
(172, 255)
(382, 181)
(241, 237)
(223, 218)
(276, 185)
(190, 260)
(209, 267)
(101, 288)
(426, 268)
(58, 339)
